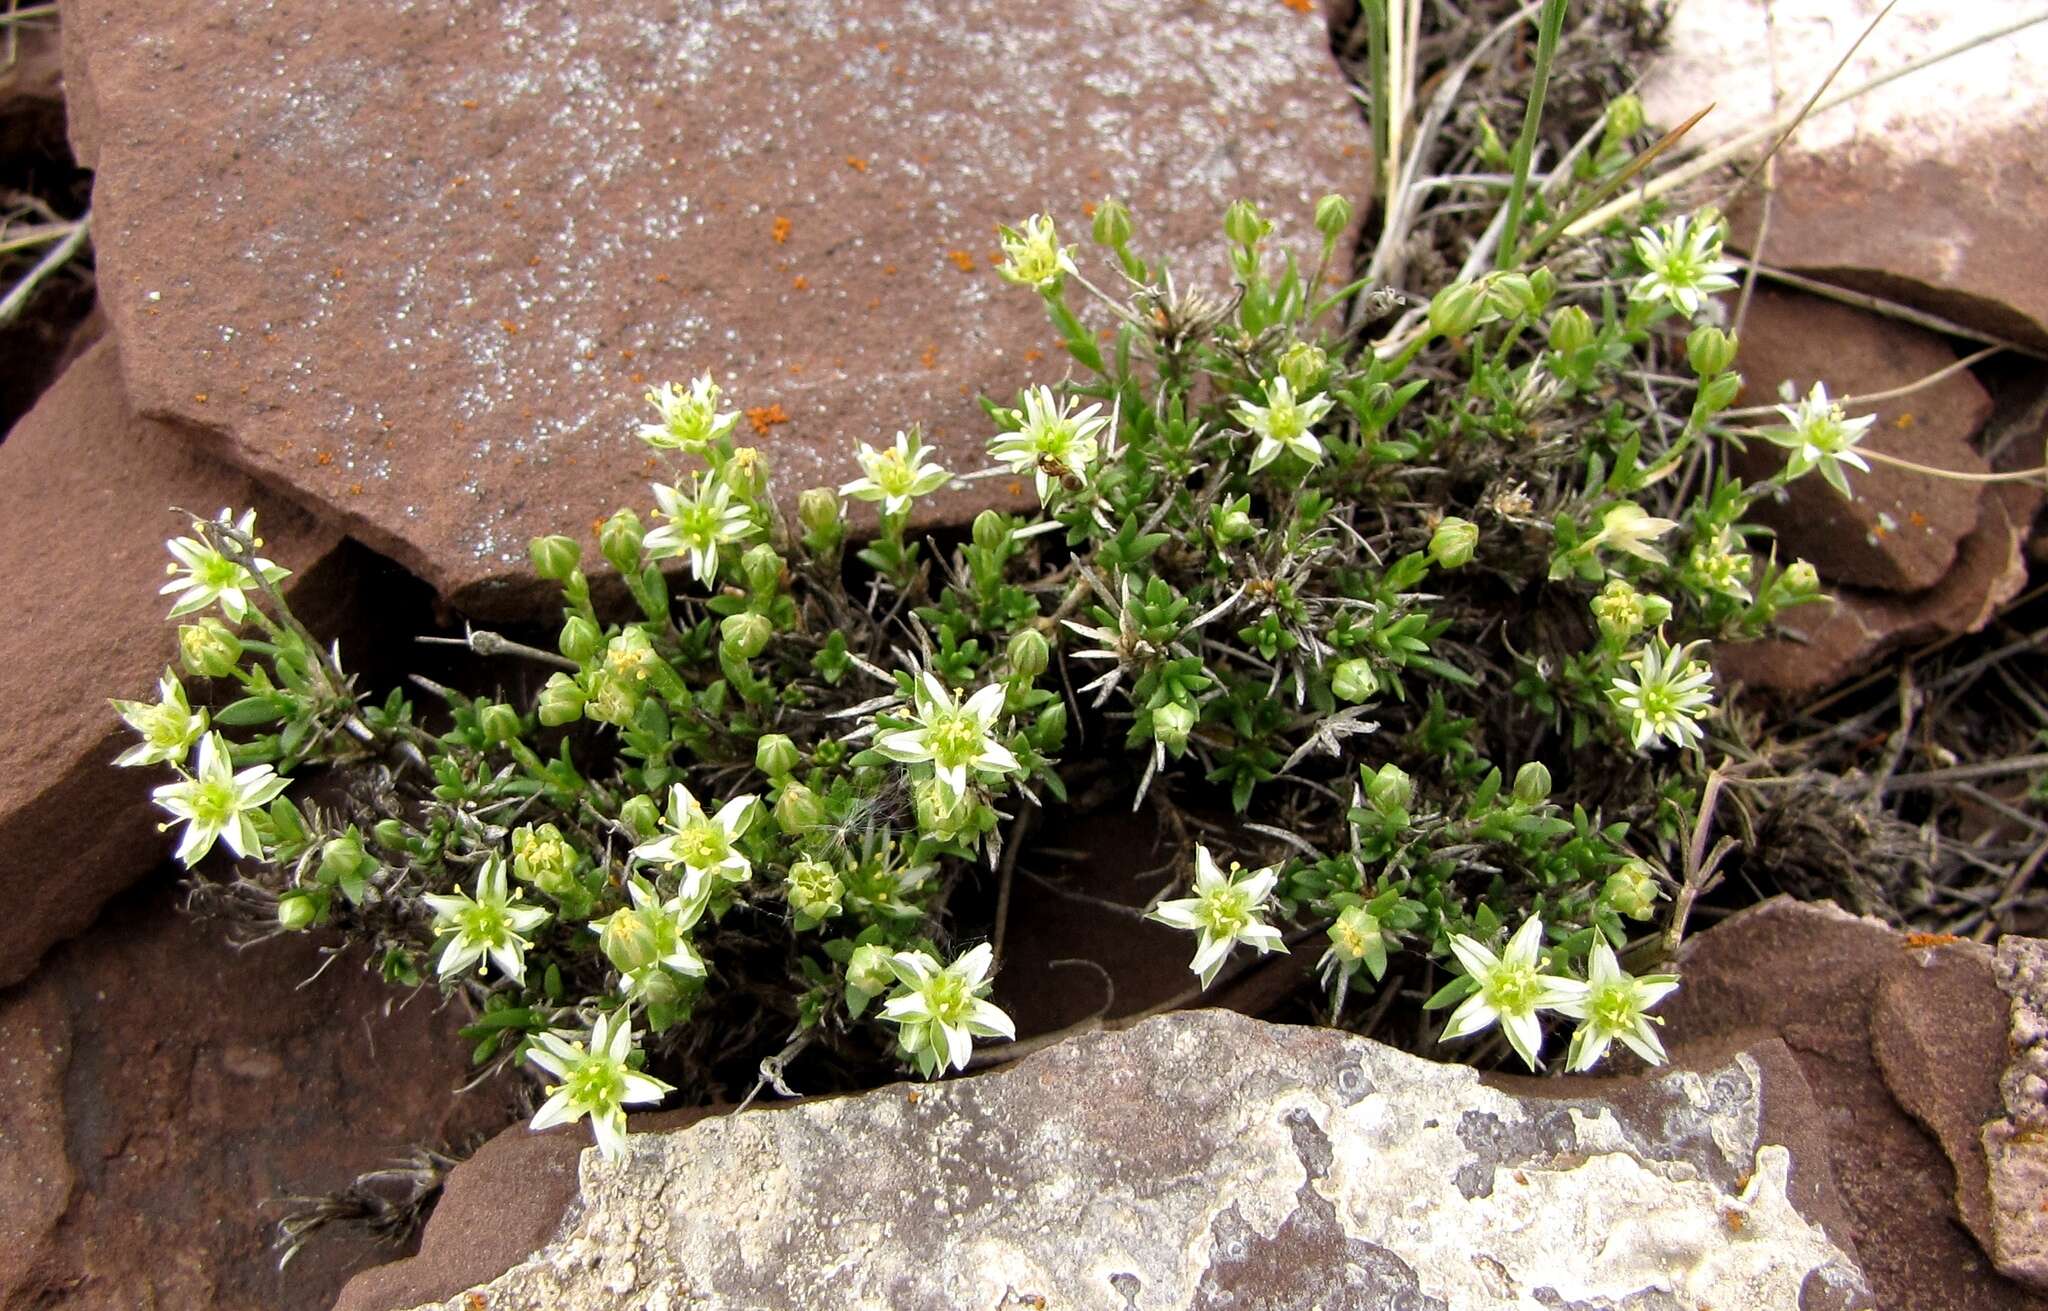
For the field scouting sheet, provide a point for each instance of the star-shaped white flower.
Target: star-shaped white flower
(666, 924)
(202, 576)
(1684, 264)
(168, 727)
(895, 476)
(1223, 912)
(698, 524)
(1283, 423)
(940, 1012)
(492, 923)
(1052, 442)
(219, 801)
(1614, 1005)
(953, 737)
(1668, 696)
(704, 846)
(1821, 437)
(690, 421)
(597, 1081)
(1630, 529)
(1510, 990)
(1032, 254)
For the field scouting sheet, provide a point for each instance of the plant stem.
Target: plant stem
(1548, 25)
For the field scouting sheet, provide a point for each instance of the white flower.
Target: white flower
(1510, 990)
(168, 728)
(490, 923)
(218, 801)
(895, 476)
(690, 421)
(954, 737)
(1034, 256)
(698, 525)
(202, 575)
(1282, 424)
(940, 1012)
(1613, 1006)
(1820, 436)
(1630, 529)
(664, 925)
(1684, 263)
(1224, 912)
(1668, 696)
(706, 846)
(597, 1082)
(1052, 442)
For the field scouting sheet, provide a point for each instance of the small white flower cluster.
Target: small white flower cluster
(1510, 987)
(1683, 264)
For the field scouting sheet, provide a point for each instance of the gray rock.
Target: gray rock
(2016, 1145)
(1208, 1160)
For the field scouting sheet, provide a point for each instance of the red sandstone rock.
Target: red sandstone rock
(422, 269)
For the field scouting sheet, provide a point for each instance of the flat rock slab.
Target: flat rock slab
(1208, 1160)
(421, 265)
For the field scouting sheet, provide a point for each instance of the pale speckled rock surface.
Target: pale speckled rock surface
(1207, 1160)
(2016, 1144)
(421, 261)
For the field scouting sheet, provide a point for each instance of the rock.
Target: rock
(1930, 190)
(92, 488)
(1901, 530)
(423, 270)
(2016, 1144)
(1202, 1159)
(165, 1090)
(1814, 976)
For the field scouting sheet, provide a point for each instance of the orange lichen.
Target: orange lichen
(800, 282)
(1015, 489)
(1903, 422)
(780, 231)
(1917, 519)
(961, 260)
(856, 163)
(888, 270)
(1034, 355)
(1300, 6)
(509, 326)
(1088, 208)
(355, 489)
(1917, 940)
(661, 277)
(323, 458)
(199, 396)
(471, 104)
(636, 377)
(930, 358)
(764, 417)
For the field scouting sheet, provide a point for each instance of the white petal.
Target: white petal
(1472, 1015)
(959, 1045)
(991, 1019)
(974, 965)
(555, 1110)
(641, 1090)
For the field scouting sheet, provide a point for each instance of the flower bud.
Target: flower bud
(1171, 724)
(389, 834)
(299, 910)
(561, 701)
(1532, 783)
(343, 862)
(941, 812)
(1454, 542)
(1631, 891)
(1801, 579)
(815, 890)
(817, 509)
(1624, 116)
(1511, 295)
(1571, 330)
(208, 649)
(1355, 680)
(1242, 224)
(629, 941)
(798, 810)
(543, 857)
(1357, 937)
(990, 530)
(1029, 653)
(868, 969)
(1389, 789)
(746, 472)
(580, 639)
(619, 539)
(1542, 286)
(1457, 309)
(656, 986)
(554, 557)
(499, 724)
(776, 756)
(1719, 392)
(1112, 225)
(609, 699)
(1303, 366)
(1232, 522)
(1709, 350)
(631, 658)
(1333, 216)
(746, 634)
(762, 568)
(641, 814)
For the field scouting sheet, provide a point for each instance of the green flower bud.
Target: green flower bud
(657, 987)
(1511, 295)
(1112, 225)
(1333, 216)
(619, 539)
(1458, 308)
(746, 634)
(561, 701)
(543, 857)
(499, 724)
(1571, 330)
(1631, 891)
(1542, 287)
(630, 657)
(1232, 521)
(776, 756)
(581, 640)
(554, 557)
(1719, 392)
(628, 941)
(746, 472)
(762, 568)
(990, 530)
(1389, 789)
(389, 834)
(817, 509)
(1355, 680)
(1801, 579)
(208, 649)
(868, 969)
(1303, 366)
(1029, 653)
(610, 699)
(1624, 116)
(1454, 542)
(798, 810)
(1242, 224)
(943, 814)
(1049, 730)
(1171, 724)
(1358, 938)
(1709, 350)
(344, 864)
(1532, 783)
(641, 814)
(299, 910)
